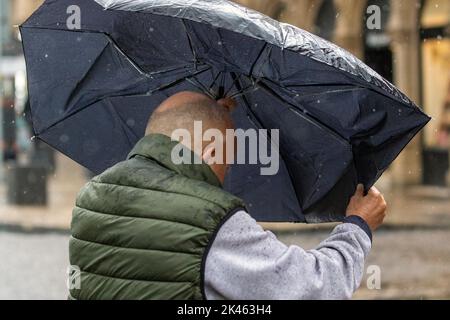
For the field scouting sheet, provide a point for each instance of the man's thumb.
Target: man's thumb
(360, 190)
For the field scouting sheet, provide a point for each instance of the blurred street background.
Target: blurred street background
(410, 47)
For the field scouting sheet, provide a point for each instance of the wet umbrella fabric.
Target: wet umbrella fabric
(93, 89)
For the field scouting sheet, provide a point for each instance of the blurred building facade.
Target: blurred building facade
(410, 47)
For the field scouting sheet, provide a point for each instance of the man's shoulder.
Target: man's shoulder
(240, 225)
(136, 172)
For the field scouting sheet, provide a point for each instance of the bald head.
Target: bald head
(181, 110)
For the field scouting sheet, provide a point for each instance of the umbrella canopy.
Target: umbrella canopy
(92, 90)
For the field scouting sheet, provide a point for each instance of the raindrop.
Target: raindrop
(374, 110)
(151, 29)
(219, 43)
(91, 147)
(64, 138)
(131, 122)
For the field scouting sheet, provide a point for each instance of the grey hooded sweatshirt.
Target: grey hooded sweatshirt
(247, 262)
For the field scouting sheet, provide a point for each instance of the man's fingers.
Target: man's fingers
(383, 203)
(374, 192)
(359, 190)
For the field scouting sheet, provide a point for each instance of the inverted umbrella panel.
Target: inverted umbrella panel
(92, 91)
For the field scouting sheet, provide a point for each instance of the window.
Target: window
(435, 50)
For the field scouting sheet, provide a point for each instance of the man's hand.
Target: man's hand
(372, 207)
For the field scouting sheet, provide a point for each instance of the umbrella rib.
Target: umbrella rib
(221, 92)
(123, 125)
(77, 88)
(215, 79)
(259, 124)
(168, 70)
(147, 74)
(119, 95)
(246, 90)
(259, 56)
(173, 83)
(308, 95)
(191, 46)
(200, 86)
(233, 84)
(308, 118)
(324, 85)
(244, 98)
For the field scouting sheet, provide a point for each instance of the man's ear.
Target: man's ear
(228, 103)
(208, 154)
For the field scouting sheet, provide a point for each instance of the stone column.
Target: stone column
(22, 9)
(349, 25)
(300, 13)
(403, 29)
(270, 8)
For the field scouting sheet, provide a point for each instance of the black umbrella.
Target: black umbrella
(93, 89)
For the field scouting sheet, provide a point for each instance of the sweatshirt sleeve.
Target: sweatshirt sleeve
(246, 262)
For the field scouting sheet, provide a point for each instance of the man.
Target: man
(149, 229)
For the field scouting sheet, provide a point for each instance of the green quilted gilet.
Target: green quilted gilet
(142, 229)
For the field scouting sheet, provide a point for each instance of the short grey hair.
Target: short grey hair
(209, 112)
